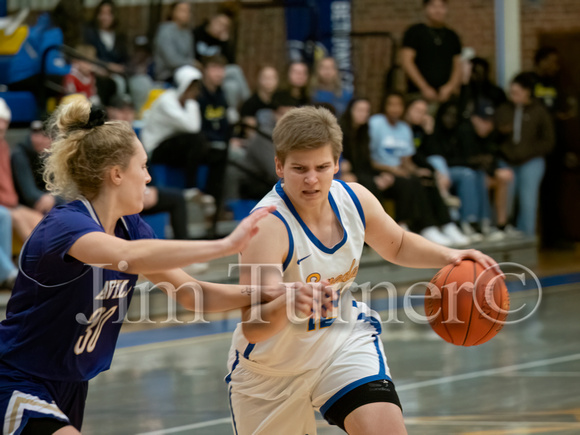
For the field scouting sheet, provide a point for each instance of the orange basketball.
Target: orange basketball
(466, 305)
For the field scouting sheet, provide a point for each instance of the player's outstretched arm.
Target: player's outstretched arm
(151, 256)
(208, 297)
(405, 248)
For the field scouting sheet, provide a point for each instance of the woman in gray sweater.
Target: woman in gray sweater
(173, 44)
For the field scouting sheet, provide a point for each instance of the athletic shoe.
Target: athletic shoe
(455, 235)
(473, 235)
(434, 235)
(512, 232)
(494, 235)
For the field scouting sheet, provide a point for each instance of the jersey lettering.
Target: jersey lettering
(114, 289)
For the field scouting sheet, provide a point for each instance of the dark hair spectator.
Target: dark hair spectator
(257, 110)
(527, 136)
(479, 87)
(430, 55)
(214, 36)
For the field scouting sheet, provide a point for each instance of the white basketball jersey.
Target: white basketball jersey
(309, 343)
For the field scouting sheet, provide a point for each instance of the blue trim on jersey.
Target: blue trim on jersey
(356, 202)
(232, 411)
(307, 231)
(324, 408)
(354, 304)
(290, 240)
(249, 350)
(377, 325)
(234, 365)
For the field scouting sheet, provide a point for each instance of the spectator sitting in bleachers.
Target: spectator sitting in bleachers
(140, 71)
(478, 86)
(355, 163)
(258, 108)
(260, 175)
(27, 166)
(8, 271)
(296, 83)
(103, 34)
(173, 44)
(472, 160)
(392, 149)
(327, 86)
(422, 124)
(527, 137)
(217, 121)
(171, 131)
(81, 79)
(121, 108)
(213, 38)
(24, 219)
(111, 47)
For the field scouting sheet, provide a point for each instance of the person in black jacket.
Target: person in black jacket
(215, 125)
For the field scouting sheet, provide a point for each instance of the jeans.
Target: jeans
(471, 187)
(526, 191)
(6, 265)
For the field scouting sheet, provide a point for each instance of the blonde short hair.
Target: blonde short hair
(307, 128)
(80, 154)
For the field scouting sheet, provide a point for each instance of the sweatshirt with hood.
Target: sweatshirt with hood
(167, 117)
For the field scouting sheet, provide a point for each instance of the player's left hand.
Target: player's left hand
(457, 256)
(238, 240)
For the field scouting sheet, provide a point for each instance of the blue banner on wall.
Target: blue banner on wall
(318, 28)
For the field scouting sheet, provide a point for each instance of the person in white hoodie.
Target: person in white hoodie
(171, 133)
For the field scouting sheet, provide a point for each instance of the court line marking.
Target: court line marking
(190, 426)
(488, 372)
(414, 386)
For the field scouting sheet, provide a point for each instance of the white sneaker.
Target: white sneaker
(512, 232)
(495, 235)
(473, 235)
(455, 235)
(434, 235)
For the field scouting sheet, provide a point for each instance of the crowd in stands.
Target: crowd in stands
(455, 158)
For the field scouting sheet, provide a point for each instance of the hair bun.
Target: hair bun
(97, 117)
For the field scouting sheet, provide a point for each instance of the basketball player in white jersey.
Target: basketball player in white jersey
(281, 370)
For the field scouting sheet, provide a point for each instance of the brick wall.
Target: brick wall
(546, 16)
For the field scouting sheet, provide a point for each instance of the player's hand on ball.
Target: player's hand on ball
(248, 228)
(473, 254)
